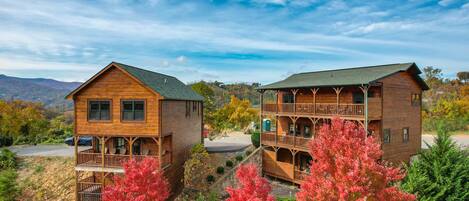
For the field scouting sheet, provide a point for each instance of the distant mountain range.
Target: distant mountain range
(48, 91)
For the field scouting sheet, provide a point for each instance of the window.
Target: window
(133, 110)
(99, 110)
(288, 98)
(307, 131)
(358, 98)
(405, 135)
(119, 145)
(291, 130)
(387, 136)
(416, 99)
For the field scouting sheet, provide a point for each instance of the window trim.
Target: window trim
(408, 135)
(133, 121)
(384, 133)
(88, 108)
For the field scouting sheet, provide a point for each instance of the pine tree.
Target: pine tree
(440, 173)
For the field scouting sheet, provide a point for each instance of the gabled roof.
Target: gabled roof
(345, 77)
(167, 86)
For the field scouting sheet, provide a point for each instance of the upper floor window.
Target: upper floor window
(416, 98)
(387, 136)
(295, 129)
(307, 131)
(99, 110)
(405, 134)
(133, 110)
(288, 98)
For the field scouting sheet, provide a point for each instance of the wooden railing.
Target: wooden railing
(300, 175)
(88, 158)
(323, 109)
(89, 190)
(288, 140)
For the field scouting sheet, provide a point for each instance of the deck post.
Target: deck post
(131, 146)
(261, 102)
(276, 101)
(314, 90)
(294, 164)
(294, 91)
(276, 128)
(294, 130)
(364, 89)
(75, 141)
(337, 92)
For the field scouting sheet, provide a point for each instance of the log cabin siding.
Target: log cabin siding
(115, 85)
(398, 113)
(185, 127)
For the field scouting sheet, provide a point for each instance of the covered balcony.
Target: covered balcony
(286, 165)
(120, 149)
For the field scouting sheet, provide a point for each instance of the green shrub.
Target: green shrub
(439, 173)
(7, 159)
(5, 141)
(220, 170)
(198, 148)
(8, 186)
(229, 163)
(239, 157)
(210, 178)
(39, 169)
(248, 153)
(256, 139)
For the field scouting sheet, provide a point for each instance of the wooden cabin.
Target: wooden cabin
(132, 113)
(385, 100)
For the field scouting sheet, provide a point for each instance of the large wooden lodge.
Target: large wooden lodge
(133, 113)
(385, 100)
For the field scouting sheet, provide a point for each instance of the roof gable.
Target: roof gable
(167, 86)
(345, 77)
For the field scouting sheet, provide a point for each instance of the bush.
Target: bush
(239, 157)
(256, 139)
(210, 178)
(198, 148)
(8, 186)
(248, 153)
(7, 159)
(6, 141)
(229, 163)
(220, 170)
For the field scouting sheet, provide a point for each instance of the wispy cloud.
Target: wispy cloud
(230, 40)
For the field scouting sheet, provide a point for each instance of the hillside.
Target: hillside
(48, 91)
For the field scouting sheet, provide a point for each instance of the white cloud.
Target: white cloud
(446, 2)
(181, 59)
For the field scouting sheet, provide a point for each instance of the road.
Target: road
(461, 140)
(46, 150)
(232, 143)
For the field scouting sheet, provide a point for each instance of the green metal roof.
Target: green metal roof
(167, 86)
(345, 77)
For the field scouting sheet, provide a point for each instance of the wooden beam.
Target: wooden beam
(315, 91)
(337, 92)
(365, 89)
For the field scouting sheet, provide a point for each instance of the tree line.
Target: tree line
(446, 101)
(23, 122)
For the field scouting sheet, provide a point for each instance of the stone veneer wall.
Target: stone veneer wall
(229, 178)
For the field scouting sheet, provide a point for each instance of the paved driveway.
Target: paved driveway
(46, 150)
(234, 142)
(461, 140)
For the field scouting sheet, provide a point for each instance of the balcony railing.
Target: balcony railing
(323, 109)
(89, 190)
(300, 175)
(286, 140)
(92, 159)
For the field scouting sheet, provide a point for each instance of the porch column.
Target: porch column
(131, 146)
(313, 131)
(294, 130)
(160, 150)
(364, 89)
(75, 141)
(261, 102)
(314, 90)
(276, 128)
(294, 91)
(103, 145)
(294, 164)
(337, 92)
(276, 101)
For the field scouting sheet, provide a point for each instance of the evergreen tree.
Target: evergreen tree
(440, 173)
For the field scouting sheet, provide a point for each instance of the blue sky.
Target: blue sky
(231, 41)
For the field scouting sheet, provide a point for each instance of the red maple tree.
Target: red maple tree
(142, 181)
(252, 186)
(345, 167)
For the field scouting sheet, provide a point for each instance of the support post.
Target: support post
(75, 141)
(276, 101)
(364, 89)
(337, 92)
(131, 146)
(294, 164)
(294, 91)
(276, 128)
(314, 90)
(261, 102)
